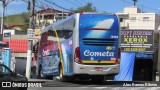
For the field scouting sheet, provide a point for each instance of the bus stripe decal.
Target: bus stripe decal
(90, 61)
(59, 47)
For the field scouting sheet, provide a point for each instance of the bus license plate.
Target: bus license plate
(98, 68)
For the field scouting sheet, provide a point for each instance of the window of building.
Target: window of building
(49, 16)
(58, 18)
(121, 19)
(133, 19)
(60, 15)
(64, 14)
(145, 19)
(40, 16)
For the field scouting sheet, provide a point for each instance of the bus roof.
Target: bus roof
(57, 24)
(62, 22)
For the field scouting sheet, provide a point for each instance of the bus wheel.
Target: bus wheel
(62, 78)
(41, 74)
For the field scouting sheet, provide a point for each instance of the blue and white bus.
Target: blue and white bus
(84, 44)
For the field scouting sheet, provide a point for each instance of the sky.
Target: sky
(111, 6)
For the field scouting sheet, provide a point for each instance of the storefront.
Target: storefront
(142, 66)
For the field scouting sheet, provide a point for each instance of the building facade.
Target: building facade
(48, 16)
(133, 18)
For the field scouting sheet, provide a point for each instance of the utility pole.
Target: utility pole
(2, 18)
(2, 24)
(4, 3)
(159, 54)
(29, 52)
(134, 2)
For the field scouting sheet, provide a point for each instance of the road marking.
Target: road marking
(83, 87)
(100, 87)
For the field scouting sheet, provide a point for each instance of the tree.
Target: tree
(24, 28)
(25, 17)
(87, 8)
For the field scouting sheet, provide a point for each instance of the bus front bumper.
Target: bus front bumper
(91, 69)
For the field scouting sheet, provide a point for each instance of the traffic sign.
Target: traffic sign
(7, 34)
(30, 34)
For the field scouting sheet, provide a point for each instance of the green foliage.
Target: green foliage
(87, 8)
(25, 17)
(24, 28)
(22, 18)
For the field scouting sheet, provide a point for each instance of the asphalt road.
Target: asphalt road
(88, 85)
(96, 88)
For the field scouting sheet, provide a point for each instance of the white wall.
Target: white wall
(157, 21)
(153, 22)
(9, 30)
(131, 10)
(139, 23)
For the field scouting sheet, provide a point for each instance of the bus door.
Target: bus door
(65, 38)
(50, 55)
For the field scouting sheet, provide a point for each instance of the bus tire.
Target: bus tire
(40, 74)
(62, 78)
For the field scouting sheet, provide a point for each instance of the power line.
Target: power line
(104, 11)
(58, 5)
(84, 1)
(43, 3)
(35, 5)
(141, 5)
(72, 3)
(78, 2)
(96, 7)
(51, 2)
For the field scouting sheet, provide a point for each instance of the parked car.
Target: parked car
(7, 75)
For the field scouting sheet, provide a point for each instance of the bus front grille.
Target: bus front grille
(99, 41)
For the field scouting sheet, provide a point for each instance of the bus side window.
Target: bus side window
(68, 34)
(62, 35)
(52, 36)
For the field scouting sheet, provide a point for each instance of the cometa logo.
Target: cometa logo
(89, 53)
(110, 48)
